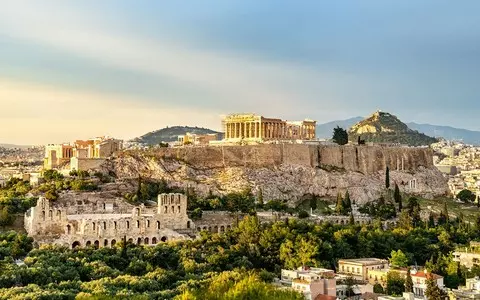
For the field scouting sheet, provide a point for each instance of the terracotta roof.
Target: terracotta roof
(325, 297)
(425, 275)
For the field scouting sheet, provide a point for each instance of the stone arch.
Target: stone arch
(148, 223)
(215, 229)
(128, 224)
(104, 225)
(139, 241)
(50, 214)
(69, 229)
(165, 210)
(229, 227)
(93, 226)
(188, 224)
(113, 242)
(164, 239)
(205, 228)
(178, 209)
(210, 228)
(199, 229)
(43, 215)
(76, 244)
(59, 214)
(105, 243)
(138, 224)
(173, 209)
(137, 211)
(130, 240)
(114, 224)
(222, 228)
(89, 243)
(146, 241)
(158, 224)
(96, 244)
(341, 222)
(154, 240)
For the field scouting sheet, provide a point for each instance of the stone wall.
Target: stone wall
(363, 159)
(85, 164)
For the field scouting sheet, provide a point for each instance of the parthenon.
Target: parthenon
(257, 128)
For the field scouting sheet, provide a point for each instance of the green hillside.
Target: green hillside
(170, 134)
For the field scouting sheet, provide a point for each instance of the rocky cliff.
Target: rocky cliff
(290, 172)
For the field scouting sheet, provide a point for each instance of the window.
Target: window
(93, 226)
(128, 224)
(148, 223)
(115, 224)
(104, 225)
(178, 209)
(158, 224)
(138, 224)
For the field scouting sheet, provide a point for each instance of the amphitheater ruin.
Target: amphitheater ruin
(105, 223)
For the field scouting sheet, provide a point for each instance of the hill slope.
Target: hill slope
(325, 130)
(170, 134)
(383, 127)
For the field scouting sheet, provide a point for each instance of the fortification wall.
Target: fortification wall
(363, 159)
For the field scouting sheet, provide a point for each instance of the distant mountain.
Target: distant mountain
(10, 146)
(170, 134)
(383, 127)
(325, 131)
(448, 133)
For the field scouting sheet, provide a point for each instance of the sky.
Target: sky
(78, 69)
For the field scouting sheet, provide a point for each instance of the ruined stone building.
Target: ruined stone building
(103, 223)
(80, 155)
(255, 128)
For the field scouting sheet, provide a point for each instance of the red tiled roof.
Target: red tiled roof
(325, 297)
(426, 275)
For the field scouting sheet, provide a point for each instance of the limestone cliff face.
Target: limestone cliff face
(289, 172)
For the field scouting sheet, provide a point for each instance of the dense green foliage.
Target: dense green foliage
(340, 136)
(466, 196)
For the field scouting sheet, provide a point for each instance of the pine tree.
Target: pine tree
(339, 209)
(340, 136)
(409, 282)
(432, 292)
(387, 178)
(347, 204)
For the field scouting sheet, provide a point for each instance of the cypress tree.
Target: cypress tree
(339, 209)
(397, 197)
(387, 178)
(409, 282)
(347, 203)
(352, 219)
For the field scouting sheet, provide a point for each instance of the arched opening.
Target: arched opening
(158, 224)
(205, 228)
(88, 244)
(138, 224)
(163, 239)
(210, 228)
(341, 222)
(139, 241)
(148, 223)
(104, 225)
(137, 211)
(130, 240)
(59, 214)
(229, 227)
(154, 241)
(104, 206)
(69, 229)
(215, 229)
(43, 215)
(112, 243)
(93, 226)
(188, 224)
(146, 241)
(114, 224)
(222, 228)
(105, 243)
(50, 214)
(128, 224)
(165, 210)
(199, 229)
(76, 244)
(173, 209)
(178, 209)
(96, 244)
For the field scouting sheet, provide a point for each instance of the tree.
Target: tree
(409, 282)
(397, 197)
(378, 288)
(387, 178)
(395, 284)
(339, 209)
(347, 204)
(303, 214)
(443, 218)
(466, 196)
(313, 203)
(260, 197)
(398, 259)
(351, 220)
(340, 136)
(432, 292)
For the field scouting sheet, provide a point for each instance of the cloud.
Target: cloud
(39, 114)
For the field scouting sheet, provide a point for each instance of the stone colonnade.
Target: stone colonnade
(256, 130)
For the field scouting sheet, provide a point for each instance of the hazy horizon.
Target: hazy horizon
(121, 68)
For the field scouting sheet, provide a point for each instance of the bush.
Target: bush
(303, 214)
(466, 196)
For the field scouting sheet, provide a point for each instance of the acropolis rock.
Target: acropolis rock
(289, 172)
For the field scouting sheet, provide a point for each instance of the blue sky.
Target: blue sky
(122, 68)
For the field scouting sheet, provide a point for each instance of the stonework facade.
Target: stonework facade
(255, 128)
(58, 155)
(106, 222)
